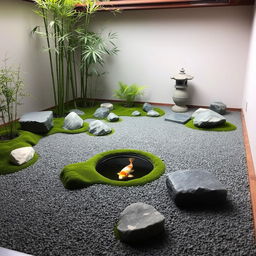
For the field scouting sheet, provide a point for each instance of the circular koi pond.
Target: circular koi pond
(124, 166)
(119, 167)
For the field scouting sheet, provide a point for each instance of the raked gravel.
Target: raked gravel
(40, 217)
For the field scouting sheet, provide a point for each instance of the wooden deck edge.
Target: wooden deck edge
(251, 171)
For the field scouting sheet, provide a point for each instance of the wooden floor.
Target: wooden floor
(251, 171)
(7, 252)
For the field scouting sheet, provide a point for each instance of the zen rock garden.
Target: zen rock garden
(140, 222)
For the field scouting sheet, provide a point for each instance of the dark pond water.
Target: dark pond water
(110, 165)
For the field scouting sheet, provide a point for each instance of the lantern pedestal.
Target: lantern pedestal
(180, 96)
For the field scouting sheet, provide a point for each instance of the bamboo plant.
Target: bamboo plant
(11, 92)
(73, 50)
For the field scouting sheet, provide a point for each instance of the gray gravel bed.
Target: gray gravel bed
(40, 217)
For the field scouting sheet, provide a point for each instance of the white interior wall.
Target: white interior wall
(16, 22)
(210, 43)
(249, 102)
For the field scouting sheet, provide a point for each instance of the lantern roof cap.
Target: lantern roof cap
(182, 76)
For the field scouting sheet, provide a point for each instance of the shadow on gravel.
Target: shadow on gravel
(223, 207)
(153, 243)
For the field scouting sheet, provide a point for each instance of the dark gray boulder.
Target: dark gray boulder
(218, 107)
(37, 122)
(101, 113)
(77, 111)
(98, 128)
(112, 117)
(136, 113)
(73, 121)
(153, 113)
(147, 107)
(208, 119)
(195, 187)
(139, 222)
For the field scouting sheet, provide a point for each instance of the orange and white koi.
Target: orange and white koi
(126, 171)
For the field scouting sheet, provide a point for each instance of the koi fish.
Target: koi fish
(126, 171)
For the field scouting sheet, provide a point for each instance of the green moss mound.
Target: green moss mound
(25, 139)
(222, 128)
(119, 110)
(84, 174)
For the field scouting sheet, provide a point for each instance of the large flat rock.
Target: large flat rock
(178, 118)
(195, 186)
(139, 222)
(37, 122)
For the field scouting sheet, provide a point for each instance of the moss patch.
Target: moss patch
(25, 139)
(30, 139)
(119, 110)
(222, 128)
(84, 174)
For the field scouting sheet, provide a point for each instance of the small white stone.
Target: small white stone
(107, 105)
(146, 213)
(22, 155)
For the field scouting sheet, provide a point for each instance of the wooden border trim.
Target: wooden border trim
(251, 171)
(160, 4)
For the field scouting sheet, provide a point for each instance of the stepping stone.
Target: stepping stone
(195, 187)
(178, 118)
(112, 117)
(37, 122)
(22, 155)
(208, 119)
(153, 113)
(147, 107)
(218, 107)
(98, 128)
(73, 121)
(101, 113)
(77, 111)
(139, 222)
(107, 105)
(136, 113)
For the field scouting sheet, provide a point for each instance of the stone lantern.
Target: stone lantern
(180, 96)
